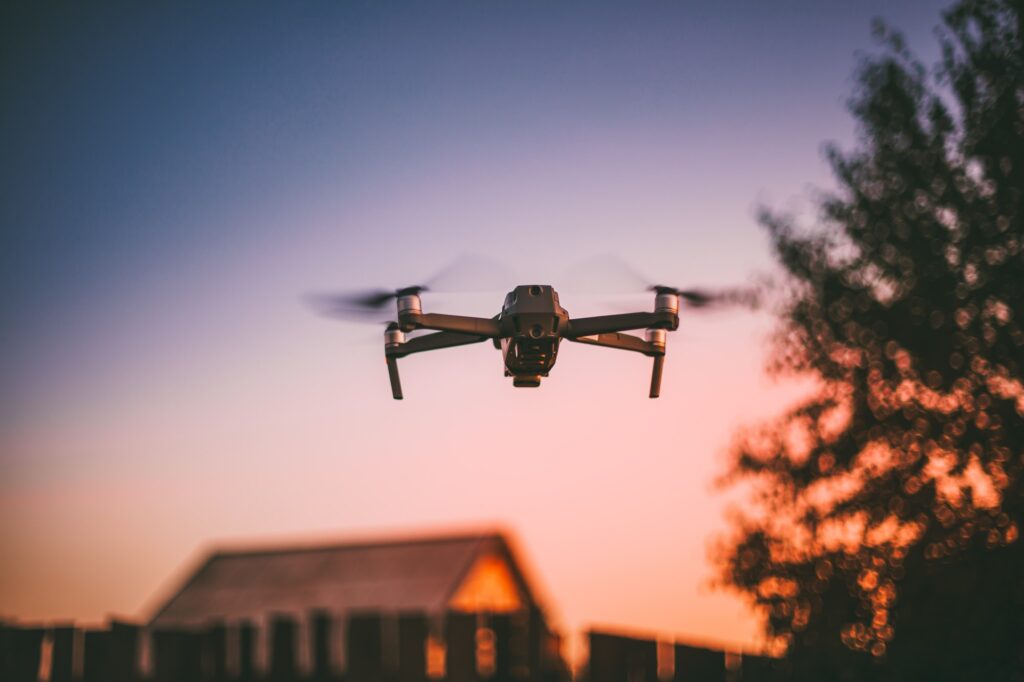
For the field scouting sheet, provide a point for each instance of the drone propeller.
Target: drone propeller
(371, 305)
(745, 297)
(360, 305)
(609, 273)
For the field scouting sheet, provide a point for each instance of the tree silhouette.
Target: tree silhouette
(884, 537)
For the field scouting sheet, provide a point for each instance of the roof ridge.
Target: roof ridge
(331, 546)
(410, 572)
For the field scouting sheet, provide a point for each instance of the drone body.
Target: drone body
(528, 331)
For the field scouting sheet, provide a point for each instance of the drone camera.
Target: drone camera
(529, 356)
(526, 380)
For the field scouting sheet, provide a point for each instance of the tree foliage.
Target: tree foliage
(884, 540)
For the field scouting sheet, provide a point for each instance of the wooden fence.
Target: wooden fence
(411, 647)
(362, 647)
(619, 658)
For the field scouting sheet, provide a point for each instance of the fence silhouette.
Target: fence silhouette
(620, 658)
(363, 647)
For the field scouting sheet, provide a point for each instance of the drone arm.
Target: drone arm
(605, 324)
(433, 341)
(488, 328)
(619, 341)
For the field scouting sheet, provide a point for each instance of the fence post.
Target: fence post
(501, 626)
(643, 660)
(607, 658)
(460, 647)
(96, 662)
(412, 647)
(695, 664)
(363, 647)
(614, 658)
(536, 632)
(282, 648)
(62, 655)
(163, 653)
(320, 644)
(246, 651)
(215, 653)
(20, 653)
(111, 655)
(122, 652)
(177, 656)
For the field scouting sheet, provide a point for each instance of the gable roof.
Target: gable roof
(407, 575)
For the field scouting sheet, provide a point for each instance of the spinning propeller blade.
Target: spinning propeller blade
(609, 273)
(745, 297)
(360, 305)
(372, 305)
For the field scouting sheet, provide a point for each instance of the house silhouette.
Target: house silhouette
(435, 577)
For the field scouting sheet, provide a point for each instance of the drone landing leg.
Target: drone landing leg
(659, 365)
(396, 383)
(399, 349)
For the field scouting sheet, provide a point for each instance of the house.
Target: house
(431, 576)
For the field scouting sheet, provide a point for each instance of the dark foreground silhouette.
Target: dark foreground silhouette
(886, 543)
(365, 647)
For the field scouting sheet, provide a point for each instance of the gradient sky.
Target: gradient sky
(173, 180)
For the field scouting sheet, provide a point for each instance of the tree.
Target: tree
(883, 541)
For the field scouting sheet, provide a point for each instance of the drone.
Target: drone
(528, 330)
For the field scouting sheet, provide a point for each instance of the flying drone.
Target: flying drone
(527, 331)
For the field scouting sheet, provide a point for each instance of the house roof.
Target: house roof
(406, 575)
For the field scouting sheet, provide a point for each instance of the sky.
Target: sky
(175, 179)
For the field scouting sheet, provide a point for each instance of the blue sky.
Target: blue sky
(138, 136)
